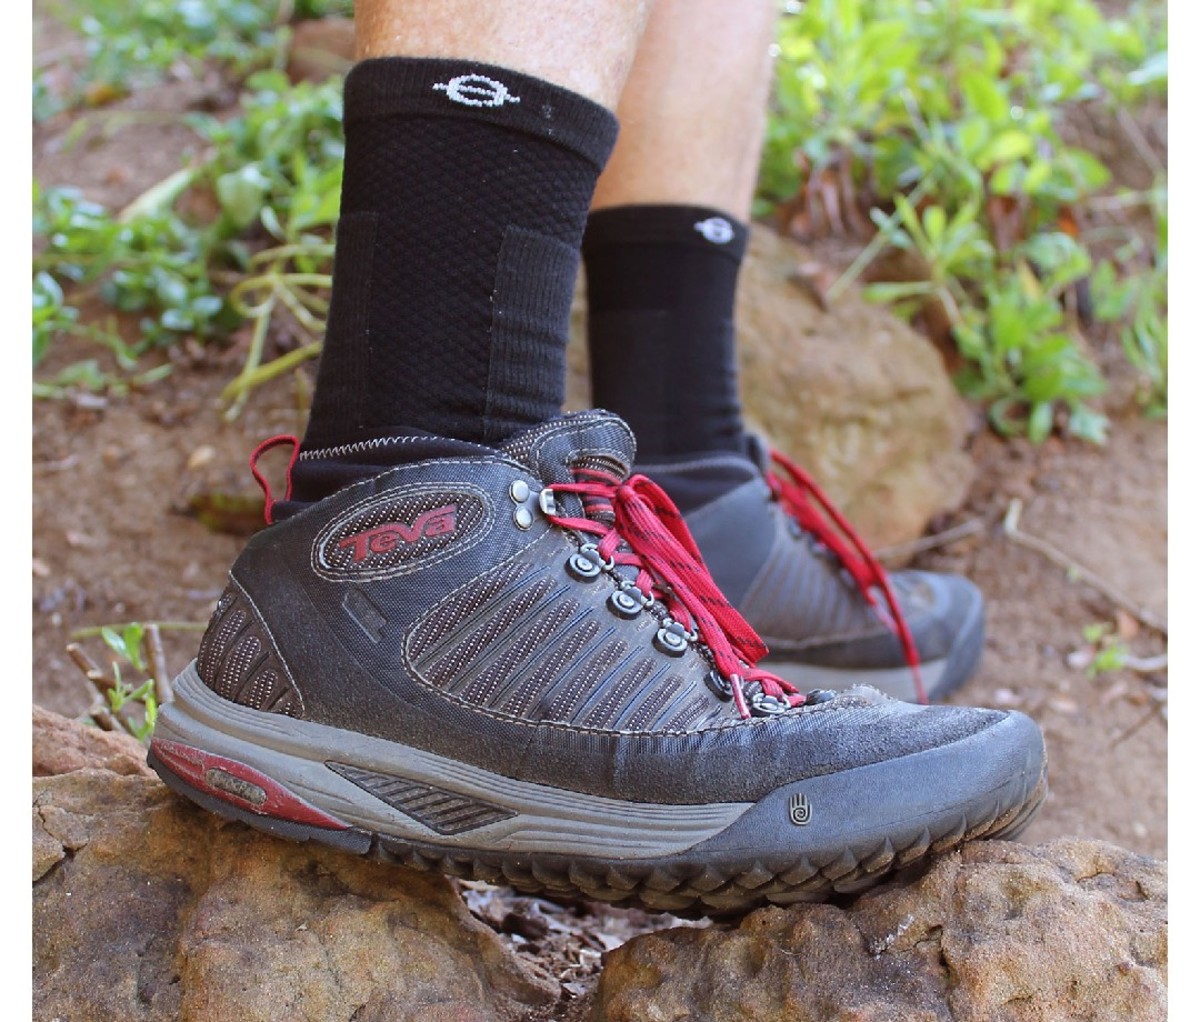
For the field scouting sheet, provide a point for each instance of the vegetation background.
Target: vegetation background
(942, 137)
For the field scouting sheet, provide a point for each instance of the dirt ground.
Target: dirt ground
(113, 540)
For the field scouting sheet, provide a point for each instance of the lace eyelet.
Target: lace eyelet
(592, 551)
(721, 686)
(763, 705)
(583, 568)
(819, 695)
(670, 641)
(624, 604)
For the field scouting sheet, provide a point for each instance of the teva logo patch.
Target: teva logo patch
(716, 229)
(439, 522)
(799, 809)
(401, 531)
(477, 90)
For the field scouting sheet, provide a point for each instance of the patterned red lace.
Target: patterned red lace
(638, 525)
(814, 512)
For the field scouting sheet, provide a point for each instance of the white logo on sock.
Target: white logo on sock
(716, 229)
(476, 90)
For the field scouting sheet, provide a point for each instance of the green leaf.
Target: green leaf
(884, 293)
(1008, 145)
(1087, 169)
(1153, 70)
(983, 94)
(1088, 424)
(1041, 421)
(114, 641)
(934, 221)
(1036, 177)
(241, 193)
(132, 640)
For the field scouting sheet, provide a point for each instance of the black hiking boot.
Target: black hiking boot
(514, 668)
(829, 614)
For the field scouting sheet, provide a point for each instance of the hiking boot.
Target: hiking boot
(514, 667)
(827, 611)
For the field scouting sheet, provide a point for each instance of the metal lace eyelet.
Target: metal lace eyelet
(763, 705)
(624, 604)
(593, 551)
(670, 640)
(582, 567)
(519, 493)
(819, 695)
(547, 502)
(720, 686)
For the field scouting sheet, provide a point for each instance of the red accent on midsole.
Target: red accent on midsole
(192, 765)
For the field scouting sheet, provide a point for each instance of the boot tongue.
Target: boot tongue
(553, 450)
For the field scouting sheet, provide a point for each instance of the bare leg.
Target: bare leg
(667, 231)
(582, 45)
(693, 111)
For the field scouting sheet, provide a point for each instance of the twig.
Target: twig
(1137, 725)
(1140, 142)
(158, 665)
(903, 551)
(1052, 553)
(104, 719)
(162, 626)
(876, 245)
(102, 684)
(1145, 664)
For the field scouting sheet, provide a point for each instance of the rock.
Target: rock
(998, 932)
(148, 909)
(852, 394)
(61, 745)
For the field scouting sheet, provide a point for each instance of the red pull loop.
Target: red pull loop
(259, 451)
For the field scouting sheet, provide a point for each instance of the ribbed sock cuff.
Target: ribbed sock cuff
(700, 227)
(437, 87)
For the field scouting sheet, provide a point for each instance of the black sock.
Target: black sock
(661, 283)
(464, 199)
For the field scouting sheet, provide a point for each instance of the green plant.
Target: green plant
(939, 128)
(1108, 651)
(272, 180)
(130, 705)
(132, 45)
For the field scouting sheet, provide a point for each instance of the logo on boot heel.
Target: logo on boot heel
(401, 531)
(799, 809)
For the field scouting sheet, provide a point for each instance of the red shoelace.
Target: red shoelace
(814, 512)
(638, 525)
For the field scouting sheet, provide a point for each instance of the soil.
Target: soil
(114, 541)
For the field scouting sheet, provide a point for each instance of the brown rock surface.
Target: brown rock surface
(850, 393)
(148, 909)
(1000, 932)
(61, 745)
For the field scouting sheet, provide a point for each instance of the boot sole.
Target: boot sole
(803, 842)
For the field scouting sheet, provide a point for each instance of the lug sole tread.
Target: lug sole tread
(684, 889)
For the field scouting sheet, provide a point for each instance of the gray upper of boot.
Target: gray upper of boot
(795, 592)
(434, 606)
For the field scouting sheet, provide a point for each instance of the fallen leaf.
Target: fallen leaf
(200, 457)
(1127, 625)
